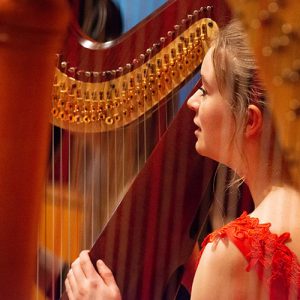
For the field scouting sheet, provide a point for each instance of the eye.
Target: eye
(203, 91)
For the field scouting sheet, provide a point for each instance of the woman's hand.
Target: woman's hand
(84, 283)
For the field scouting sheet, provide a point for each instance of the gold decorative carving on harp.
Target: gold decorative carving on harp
(91, 100)
(110, 102)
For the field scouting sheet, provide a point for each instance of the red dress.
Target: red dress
(276, 265)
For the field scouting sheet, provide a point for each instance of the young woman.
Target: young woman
(254, 256)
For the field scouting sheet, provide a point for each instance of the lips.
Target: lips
(198, 126)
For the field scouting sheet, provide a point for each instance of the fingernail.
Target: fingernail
(100, 262)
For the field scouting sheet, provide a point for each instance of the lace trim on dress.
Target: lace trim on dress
(265, 252)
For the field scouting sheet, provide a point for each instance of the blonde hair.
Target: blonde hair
(237, 77)
(236, 71)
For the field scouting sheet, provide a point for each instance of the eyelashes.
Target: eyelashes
(203, 91)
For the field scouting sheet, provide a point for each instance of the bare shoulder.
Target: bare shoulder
(222, 273)
(281, 208)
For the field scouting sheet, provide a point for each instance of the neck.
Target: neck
(262, 173)
(260, 185)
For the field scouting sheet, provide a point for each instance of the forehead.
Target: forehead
(207, 68)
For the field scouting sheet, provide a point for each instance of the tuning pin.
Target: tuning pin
(177, 28)
(79, 74)
(96, 74)
(149, 51)
(142, 58)
(162, 40)
(119, 72)
(156, 47)
(103, 76)
(135, 62)
(171, 35)
(63, 64)
(208, 11)
(109, 75)
(128, 67)
(71, 72)
(113, 73)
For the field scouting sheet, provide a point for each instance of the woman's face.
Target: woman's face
(213, 117)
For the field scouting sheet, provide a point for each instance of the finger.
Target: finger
(106, 273)
(69, 289)
(71, 283)
(77, 271)
(87, 266)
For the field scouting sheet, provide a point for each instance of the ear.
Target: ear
(254, 122)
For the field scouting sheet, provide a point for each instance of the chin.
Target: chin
(203, 151)
(200, 149)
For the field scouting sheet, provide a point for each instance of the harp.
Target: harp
(143, 263)
(102, 92)
(28, 203)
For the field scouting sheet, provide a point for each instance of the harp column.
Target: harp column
(31, 32)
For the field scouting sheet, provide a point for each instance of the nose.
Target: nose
(193, 102)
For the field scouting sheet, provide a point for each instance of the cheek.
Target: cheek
(217, 126)
(212, 117)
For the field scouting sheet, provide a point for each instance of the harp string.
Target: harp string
(97, 176)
